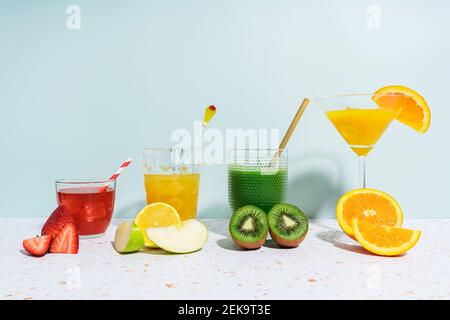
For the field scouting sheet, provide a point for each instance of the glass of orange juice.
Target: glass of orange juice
(172, 176)
(361, 119)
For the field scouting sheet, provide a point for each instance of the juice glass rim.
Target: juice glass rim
(269, 152)
(264, 157)
(257, 149)
(83, 181)
(356, 95)
(168, 149)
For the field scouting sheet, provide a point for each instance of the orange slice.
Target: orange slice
(415, 112)
(370, 205)
(383, 240)
(158, 214)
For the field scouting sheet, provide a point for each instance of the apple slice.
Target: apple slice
(190, 236)
(128, 238)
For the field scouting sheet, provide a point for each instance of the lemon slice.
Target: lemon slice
(155, 215)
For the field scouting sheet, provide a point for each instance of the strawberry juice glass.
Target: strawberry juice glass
(90, 202)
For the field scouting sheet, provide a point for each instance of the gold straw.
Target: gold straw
(291, 129)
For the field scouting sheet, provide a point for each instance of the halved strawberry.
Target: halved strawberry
(66, 241)
(37, 246)
(56, 222)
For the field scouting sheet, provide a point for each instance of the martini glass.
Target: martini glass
(360, 121)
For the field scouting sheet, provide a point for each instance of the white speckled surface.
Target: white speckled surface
(327, 265)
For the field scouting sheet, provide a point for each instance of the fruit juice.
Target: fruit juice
(361, 128)
(91, 209)
(178, 190)
(256, 186)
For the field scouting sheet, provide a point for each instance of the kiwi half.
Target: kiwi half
(248, 227)
(288, 225)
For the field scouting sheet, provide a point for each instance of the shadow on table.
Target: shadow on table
(156, 251)
(336, 238)
(219, 227)
(228, 244)
(25, 253)
(273, 245)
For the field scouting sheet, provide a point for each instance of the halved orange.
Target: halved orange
(415, 112)
(370, 205)
(383, 240)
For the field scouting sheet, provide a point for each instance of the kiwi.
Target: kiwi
(248, 227)
(288, 225)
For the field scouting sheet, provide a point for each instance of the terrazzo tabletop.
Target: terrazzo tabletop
(327, 265)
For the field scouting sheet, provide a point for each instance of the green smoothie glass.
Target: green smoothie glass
(258, 177)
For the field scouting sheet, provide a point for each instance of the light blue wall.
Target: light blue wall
(77, 103)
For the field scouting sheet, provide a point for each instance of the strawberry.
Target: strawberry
(37, 246)
(56, 222)
(66, 241)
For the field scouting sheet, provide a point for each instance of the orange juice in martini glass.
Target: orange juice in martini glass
(361, 121)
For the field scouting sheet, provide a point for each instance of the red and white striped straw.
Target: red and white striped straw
(116, 174)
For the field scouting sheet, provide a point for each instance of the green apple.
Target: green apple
(188, 237)
(128, 238)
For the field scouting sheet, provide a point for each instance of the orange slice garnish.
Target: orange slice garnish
(369, 205)
(415, 112)
(383, 240)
